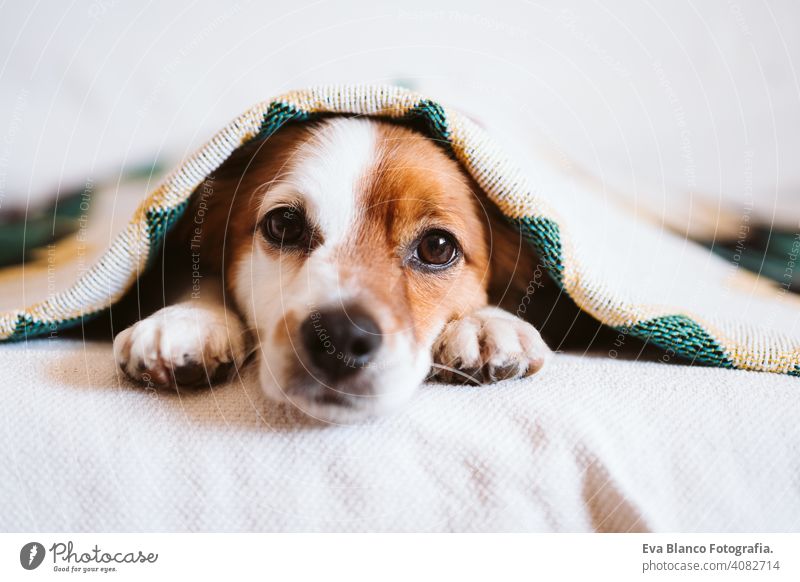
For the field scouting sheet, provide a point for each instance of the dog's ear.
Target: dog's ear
(513, 264)
(520, 283)
(222, 211)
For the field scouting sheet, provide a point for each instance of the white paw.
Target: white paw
(183, 345)
(486, 346)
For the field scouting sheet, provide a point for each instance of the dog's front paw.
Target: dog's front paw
(181, 345)
(486, 346)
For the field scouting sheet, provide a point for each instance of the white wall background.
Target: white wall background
(659, 97)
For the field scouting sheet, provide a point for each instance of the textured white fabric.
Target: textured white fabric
(594, 443)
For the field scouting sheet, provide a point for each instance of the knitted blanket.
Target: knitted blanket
(631, 275)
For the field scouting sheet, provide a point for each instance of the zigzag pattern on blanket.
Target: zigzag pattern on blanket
(674, 329)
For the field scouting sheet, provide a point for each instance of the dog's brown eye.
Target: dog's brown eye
(437, 248)
(284, 225)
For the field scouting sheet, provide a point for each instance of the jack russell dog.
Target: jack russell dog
(353, 258)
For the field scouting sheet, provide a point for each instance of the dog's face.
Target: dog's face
(351, 245)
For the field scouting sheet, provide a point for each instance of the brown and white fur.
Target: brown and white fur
(353, 288)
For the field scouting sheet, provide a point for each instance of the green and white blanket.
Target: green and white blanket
(628, 274)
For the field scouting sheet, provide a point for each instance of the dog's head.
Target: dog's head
(350, 243)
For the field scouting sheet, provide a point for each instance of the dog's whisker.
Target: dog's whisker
(455, 371)
(253, 345)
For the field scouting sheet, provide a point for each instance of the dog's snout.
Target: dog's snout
(340, 341)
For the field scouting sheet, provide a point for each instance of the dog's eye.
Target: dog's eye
(284, 225)
(436, 248)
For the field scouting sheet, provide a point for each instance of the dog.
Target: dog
(355, 258)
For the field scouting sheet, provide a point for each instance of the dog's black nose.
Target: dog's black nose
(340, 341)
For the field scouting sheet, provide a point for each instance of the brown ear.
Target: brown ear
(221, 216)
(521, 285)
(512, 261)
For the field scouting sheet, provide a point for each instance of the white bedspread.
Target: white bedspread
(593, 443)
